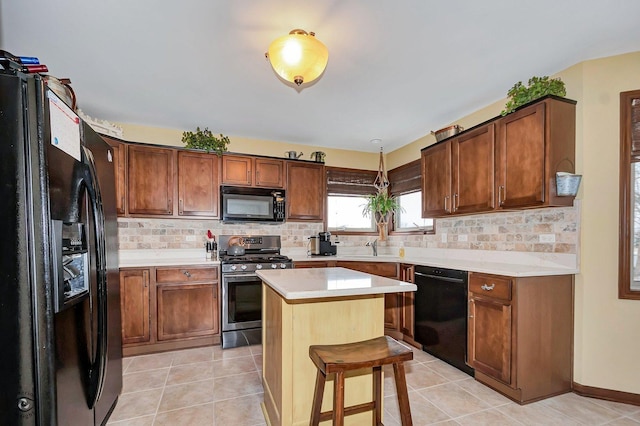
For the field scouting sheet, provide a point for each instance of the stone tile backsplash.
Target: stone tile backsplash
(554, 230)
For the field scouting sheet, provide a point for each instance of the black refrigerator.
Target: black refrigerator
(60, 345)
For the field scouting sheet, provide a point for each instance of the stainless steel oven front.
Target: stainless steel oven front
(241, 309)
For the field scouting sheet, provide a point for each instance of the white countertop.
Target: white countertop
(165, 257)
(513, 264)
(314, 283)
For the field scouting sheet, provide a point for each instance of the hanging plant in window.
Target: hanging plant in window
(206, 141)
(381, 206)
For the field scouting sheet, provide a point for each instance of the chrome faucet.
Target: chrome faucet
(374, 246)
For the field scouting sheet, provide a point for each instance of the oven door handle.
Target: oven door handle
(441, 278)
(240, 277)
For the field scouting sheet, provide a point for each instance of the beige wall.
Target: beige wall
(607, 329)
(334, 157)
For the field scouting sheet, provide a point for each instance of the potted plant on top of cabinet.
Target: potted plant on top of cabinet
(205, 140)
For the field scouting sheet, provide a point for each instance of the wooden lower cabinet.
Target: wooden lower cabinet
(187, 310)
(521, 334)
(134, 306)
(407, 318)
(392, 301)
(169, 308)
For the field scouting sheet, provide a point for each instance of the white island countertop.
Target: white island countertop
(316, 283)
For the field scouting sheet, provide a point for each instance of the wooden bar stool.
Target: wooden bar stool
(373, 353)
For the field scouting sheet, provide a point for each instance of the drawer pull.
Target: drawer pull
(488, 287)
(187, 273)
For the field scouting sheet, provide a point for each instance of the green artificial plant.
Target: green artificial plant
(381, 205)
(538, 87)
(205, 140)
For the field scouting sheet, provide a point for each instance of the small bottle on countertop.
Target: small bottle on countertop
(401, 252)
(209, 250)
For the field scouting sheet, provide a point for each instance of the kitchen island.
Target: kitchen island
(303, 307)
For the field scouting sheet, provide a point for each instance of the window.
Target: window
(629, 250)
(346, 194)
(406, 184)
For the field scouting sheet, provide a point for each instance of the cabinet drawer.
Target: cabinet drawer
(180, 275)
(490, 286)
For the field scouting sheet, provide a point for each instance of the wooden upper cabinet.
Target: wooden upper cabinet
(458, 174)
(509, 162)
(243, 170)
(269, 173)
(198, 184)
(151, 180)
(533, 144)
(306, 185)
(436, 180)
(120, 171)
(237, 170)
(473, 171)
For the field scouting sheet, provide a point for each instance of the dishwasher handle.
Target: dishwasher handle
(441, 278)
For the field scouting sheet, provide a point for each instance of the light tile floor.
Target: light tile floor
(210, 386)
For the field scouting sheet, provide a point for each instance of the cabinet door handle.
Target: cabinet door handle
(187, 273)
(248, 176)
(446, 197)
(456, 202)
(169, 203)
(257, 176)
(501, 200)
(180, 206)
(470, 308)
(122, 202)
(486, 287)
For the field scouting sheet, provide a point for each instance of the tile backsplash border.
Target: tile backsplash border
(547, 230)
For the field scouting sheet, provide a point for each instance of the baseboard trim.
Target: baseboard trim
(607, 394)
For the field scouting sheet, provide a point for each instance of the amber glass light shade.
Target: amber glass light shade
(298, 57)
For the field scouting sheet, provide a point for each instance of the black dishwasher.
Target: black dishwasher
(441, 314)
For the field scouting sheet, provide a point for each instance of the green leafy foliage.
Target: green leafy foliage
(538, 87)
(381, 204)
(205, 140)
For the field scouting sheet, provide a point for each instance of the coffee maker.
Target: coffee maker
(320, 245)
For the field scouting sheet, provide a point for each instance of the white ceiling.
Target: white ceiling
(397, 69)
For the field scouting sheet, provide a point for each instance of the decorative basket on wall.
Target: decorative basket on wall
(567, 184)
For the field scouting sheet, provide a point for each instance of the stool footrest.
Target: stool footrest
(354, 409)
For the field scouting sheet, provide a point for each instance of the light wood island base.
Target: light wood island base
(288, 374)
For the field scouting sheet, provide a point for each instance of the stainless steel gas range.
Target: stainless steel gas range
(240, 257)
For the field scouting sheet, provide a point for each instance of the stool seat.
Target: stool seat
(373, 353)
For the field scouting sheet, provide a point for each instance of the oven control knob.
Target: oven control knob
(243, 267)
(283, 265)
(233, 267)
(274, 266)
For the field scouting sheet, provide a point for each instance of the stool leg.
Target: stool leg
(403, 395)
(377, 395)
(338, 399)
(317, 398)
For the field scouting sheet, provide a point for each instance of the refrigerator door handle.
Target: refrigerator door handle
(98, 369)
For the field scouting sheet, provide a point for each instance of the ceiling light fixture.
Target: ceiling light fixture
(298, 57)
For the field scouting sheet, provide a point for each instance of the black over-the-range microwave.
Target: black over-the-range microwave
(240, 204)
